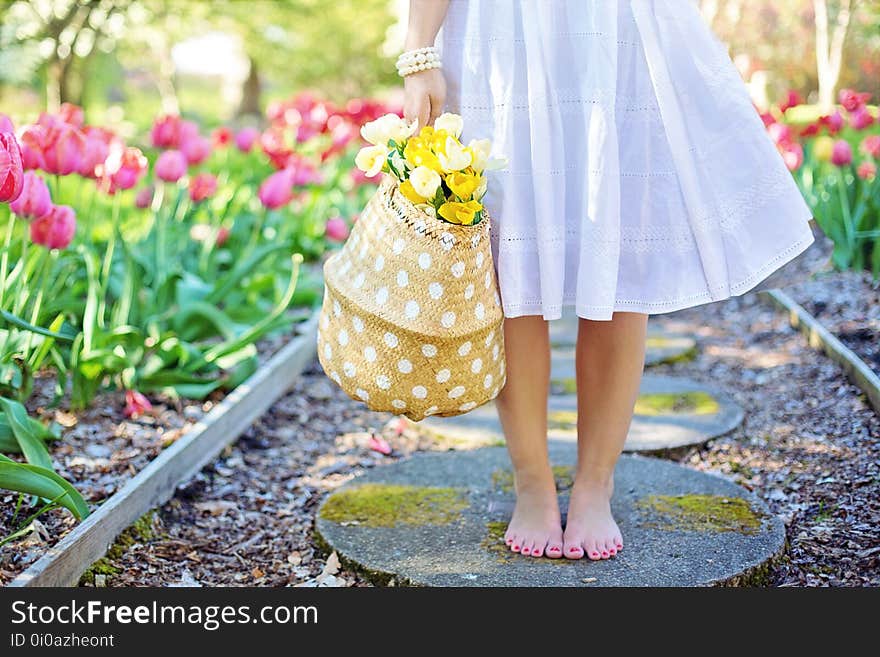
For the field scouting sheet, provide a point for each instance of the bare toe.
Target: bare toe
(554, 550)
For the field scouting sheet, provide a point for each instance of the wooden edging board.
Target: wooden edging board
(821, 338)
(64, 563)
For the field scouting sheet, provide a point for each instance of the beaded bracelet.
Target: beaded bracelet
(420, 59)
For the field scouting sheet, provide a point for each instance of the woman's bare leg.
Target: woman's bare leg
(609, 361)
(535, 529)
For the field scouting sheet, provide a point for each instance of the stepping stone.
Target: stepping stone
(438, 519)
(662, 347)
(671, 413)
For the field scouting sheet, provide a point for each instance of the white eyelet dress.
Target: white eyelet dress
(640, 177)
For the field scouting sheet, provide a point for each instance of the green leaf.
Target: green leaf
(242, 269)
(27, 326)
(34, 480)
(29, 439)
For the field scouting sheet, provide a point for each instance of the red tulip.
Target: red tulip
(861, 118)
(841, 155)
(55, 229)
(136, 404)
(277, 190)
(867, 171)
(144, 197)
(11, 170)
(222, 235)
(63, 150)
(123, 168)
(871, 146)
(171, 166)
(336, 230)
(793, 154)
(810, 130)
(221, 137)
(71, 114)
(196, 149)
(852, 100)
(35, 200)
(202, 186)
(275, 146)
(6, 124)
(792, 99)
(245, 139)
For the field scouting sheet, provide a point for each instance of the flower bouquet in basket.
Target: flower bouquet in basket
(411, 318)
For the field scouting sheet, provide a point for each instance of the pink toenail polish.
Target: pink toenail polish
(516, 547)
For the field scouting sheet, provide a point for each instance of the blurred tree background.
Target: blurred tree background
(126, 60)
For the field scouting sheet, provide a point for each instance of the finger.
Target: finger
(436, 108)
(424, 112)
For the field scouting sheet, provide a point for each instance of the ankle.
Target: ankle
(595, 479)
(534, 480)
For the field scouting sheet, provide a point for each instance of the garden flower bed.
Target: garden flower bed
(139, 288)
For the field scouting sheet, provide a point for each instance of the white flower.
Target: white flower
(428, 209)
(481, 149)
(425, 181)
(456, 158)
(386, 128)
(371, 159)
(451, 123)
(480, 191)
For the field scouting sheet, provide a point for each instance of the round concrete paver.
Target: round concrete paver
(680, 527)
(671, 413)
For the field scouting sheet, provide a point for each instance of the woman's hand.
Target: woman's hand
(424, 96)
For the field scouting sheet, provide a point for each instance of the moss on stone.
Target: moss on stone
(390, 505)
(502, 480)
(562, 420)
(141, 531)
(700, 513)
(668, 403)
(566, 386)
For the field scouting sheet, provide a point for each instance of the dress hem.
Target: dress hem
(604, 313)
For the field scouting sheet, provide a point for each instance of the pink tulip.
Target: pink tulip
(123, 168)
(852, 100)
(55, 229)
(871, 146)
(166, 132)
(779, 133)
(202, 186)
(793, 154)
(6, 124)
(35, 200)
(95, 151)
(136, 404)
(359, 177)
(71, 114)
(63, 150)
(867, 171)
(277, 190)
(11, 170)
(32, 140)
(171, 166)
(144, 197)
(792, 99)
(841, 154)
(834, 122)
(196, 149)
(245, 139)
(336, 230)
(861, 118)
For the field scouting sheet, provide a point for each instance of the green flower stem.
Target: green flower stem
(107, 265)
(848, 227)
(47, 259)
(4, 259)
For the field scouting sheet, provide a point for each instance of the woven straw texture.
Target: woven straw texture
(411, 318)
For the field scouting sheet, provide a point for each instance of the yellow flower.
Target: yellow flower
(417, 154)
(460, 213)
(822, 148)
(437, 141)
(371, 159)
(454, 156)
(463, 183)
(406, 188)
(424, 181)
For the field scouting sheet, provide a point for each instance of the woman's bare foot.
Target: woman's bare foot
(590, 529)
(535, 529)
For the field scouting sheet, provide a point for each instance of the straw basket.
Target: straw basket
(411, 319)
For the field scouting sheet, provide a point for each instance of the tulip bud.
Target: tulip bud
(822, 148)
(35, 200)
(841, 154)
(277, 190)
(196, 149)
(202, 186)
(55, 229)
(336, 230)
(871, 146)
(171, 166)
(245, 139)
(144, 197)
(867, 171)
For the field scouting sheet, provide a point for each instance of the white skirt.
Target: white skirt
(640, 176)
